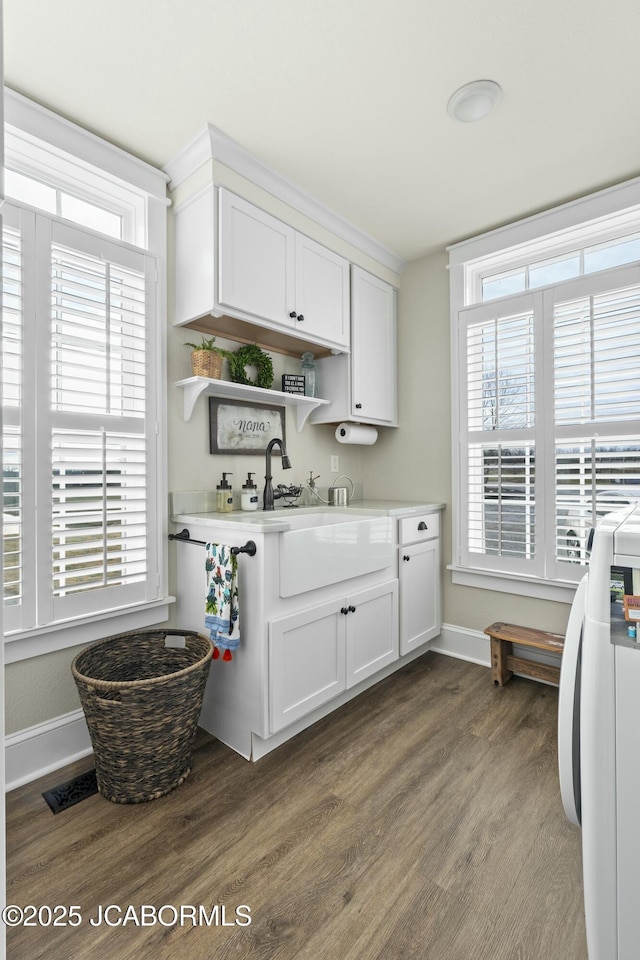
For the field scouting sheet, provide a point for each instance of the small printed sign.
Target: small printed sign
(292, 383)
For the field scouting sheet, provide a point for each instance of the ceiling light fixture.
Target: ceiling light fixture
(474, 101)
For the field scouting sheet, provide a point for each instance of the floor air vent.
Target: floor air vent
(73, 791)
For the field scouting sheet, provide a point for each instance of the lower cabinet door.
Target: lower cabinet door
(306, 662)
(419, 594)
(372, 631)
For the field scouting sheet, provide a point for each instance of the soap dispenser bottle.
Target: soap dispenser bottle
(249, 495)
(224, 495)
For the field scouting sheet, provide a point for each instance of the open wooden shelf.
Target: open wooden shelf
(195, 386)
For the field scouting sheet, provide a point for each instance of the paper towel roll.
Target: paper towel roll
(356, 433)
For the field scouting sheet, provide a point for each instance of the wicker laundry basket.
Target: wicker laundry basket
(142, 700)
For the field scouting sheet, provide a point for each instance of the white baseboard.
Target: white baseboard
(475, 646)
(46, 747)
(464, 644)
(40, 750)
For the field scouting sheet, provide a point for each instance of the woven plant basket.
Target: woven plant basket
(206, 363)
(142, 700)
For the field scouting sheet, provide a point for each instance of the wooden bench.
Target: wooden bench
(503, 662)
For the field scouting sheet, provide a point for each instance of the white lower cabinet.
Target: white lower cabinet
(419, 573)
(372, 631)
(306, 662)
(316, 654)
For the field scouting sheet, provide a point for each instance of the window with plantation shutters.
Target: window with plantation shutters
(80, 423)
(83, 388)
(549, 423)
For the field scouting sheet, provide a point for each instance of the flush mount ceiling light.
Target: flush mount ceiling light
(474, 101)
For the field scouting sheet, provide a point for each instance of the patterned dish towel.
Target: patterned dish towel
(222, 616)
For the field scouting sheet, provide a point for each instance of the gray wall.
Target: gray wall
(414, 461)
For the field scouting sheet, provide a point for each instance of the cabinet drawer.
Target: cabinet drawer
(418, 528)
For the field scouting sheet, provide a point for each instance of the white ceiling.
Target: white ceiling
(347, 98)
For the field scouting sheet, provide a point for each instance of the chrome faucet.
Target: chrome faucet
(268, 497)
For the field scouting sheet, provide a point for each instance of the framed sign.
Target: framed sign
(241, 426)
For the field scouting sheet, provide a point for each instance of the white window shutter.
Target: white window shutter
(12, 388)
(99, 434)
(597, 413)
(498, 437)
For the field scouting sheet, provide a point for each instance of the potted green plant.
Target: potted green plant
(206, 360)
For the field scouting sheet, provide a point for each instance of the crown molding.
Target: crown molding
(212, 144)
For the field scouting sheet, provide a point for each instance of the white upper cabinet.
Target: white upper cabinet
(234, 260)
(256, 261)
(322, 292)
(373, 367)
(363, 387)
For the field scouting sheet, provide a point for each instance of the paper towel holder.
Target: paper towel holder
(356, 433)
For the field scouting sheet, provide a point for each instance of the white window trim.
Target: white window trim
(29, 121)
(583, 216)
(589, 216)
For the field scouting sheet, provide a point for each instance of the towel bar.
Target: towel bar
(249, 548)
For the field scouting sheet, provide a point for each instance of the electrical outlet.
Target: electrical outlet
(334, 464)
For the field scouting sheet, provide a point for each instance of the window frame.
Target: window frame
(96, 163)
(584, 222)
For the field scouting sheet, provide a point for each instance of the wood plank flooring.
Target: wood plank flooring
(422, 820)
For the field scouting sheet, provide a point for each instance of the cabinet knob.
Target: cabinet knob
(293, 315)
(352, 609)
(300, 317)
(406, 557)
(344, 610)
(358, 406)
(422, 525)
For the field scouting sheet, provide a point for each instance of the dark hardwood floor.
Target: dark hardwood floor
(422, 820)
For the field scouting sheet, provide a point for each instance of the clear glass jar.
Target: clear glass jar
(308, 370)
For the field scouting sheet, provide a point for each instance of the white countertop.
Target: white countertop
(275, 521)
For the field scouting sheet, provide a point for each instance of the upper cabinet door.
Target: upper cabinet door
(256, 261)
(322, 292)
(373, 348)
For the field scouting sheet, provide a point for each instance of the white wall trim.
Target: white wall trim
(463, 644)
(212, 144)
(44, 748)
(81, 630)
(604, 203)
(560, 591)
(33, 119)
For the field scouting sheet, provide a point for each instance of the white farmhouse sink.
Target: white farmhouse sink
(302, 521)
(325, 548)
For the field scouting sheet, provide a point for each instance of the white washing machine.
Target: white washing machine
(599, 735)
